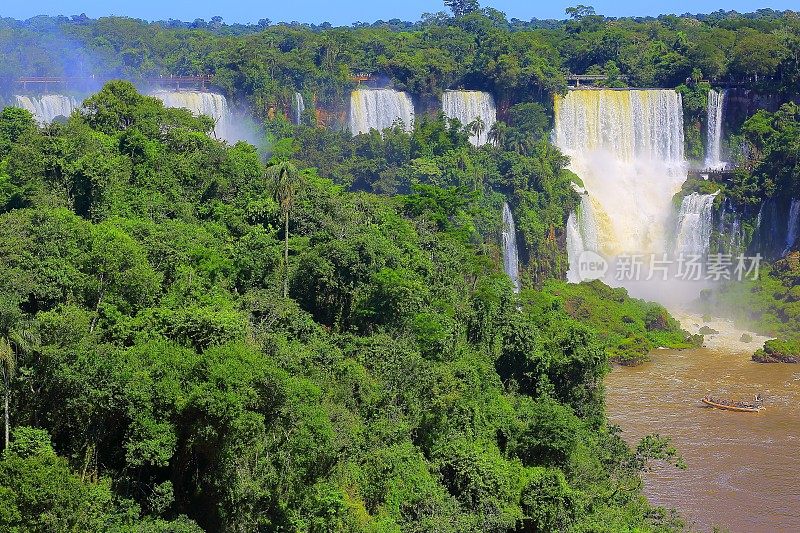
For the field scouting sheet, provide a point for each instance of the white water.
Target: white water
(581, 236)
(47, 107)
(793, 225)
(378, 109)
(467, 106)
(510, 252)
(716, 104)
(202, 103)
(299, 107)
(627, 147)
(736, 237)
(694, 224)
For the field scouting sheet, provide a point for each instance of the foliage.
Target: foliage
(400, 386)
(628, 328)
(519, 61)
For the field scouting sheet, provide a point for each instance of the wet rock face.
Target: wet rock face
(763, 357)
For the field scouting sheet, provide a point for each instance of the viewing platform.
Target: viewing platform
(721, 175)
(181, 82)
(577, 79)
(46, 83)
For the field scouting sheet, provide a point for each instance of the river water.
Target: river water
(743, 470)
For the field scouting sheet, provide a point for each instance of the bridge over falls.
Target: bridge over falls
(721, 175)
(47, 83)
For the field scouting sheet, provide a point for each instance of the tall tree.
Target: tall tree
(477, 127)
(13, 341)
(286, 179)
(580, 11)
(8, 366)
(462, 7)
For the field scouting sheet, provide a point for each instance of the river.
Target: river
(743, 472)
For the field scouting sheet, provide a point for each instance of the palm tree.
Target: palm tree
(286, 179)
(497, 134)
(477, 127)
(13, 342)
(8, 366)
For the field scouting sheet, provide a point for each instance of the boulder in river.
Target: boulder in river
(776, 351)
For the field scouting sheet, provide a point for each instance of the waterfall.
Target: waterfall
(736, 236)
(793, 225)
(772, 229)
(202, 103)
(510, 253)
(299, 107)
(627, 147)
(582, 236)
(729, 231)
(378, 109)
(467, 106)
(47, 107)
(695, 224)
(716, 104)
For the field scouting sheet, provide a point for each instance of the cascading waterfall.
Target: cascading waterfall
(582, 235)
(510, 253)
(627, 147)
(378, 109)
(695, 221)
(202, 103)
(467, 106)
(716, 104)
(770, 237)
(47, 107)
(793, 226)
(736, 238)
(730, 237)
(299, 108)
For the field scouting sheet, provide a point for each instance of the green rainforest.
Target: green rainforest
(311, 330)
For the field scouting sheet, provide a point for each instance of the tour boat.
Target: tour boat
(733, 406)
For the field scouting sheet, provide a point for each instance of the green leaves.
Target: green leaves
(400, 385)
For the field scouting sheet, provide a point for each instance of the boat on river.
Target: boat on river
(729, 405)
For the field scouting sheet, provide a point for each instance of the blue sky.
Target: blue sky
(343, 13)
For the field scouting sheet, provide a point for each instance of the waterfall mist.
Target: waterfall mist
(378, 109)
(467, 106)
(510, 252)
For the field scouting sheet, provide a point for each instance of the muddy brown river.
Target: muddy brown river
(743, 469)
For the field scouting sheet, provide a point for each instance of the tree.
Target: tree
(497, 133)
(8, 365)
(285, 178)
(462, 7)
(477, 127)
(580, 11)
(15, 338)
